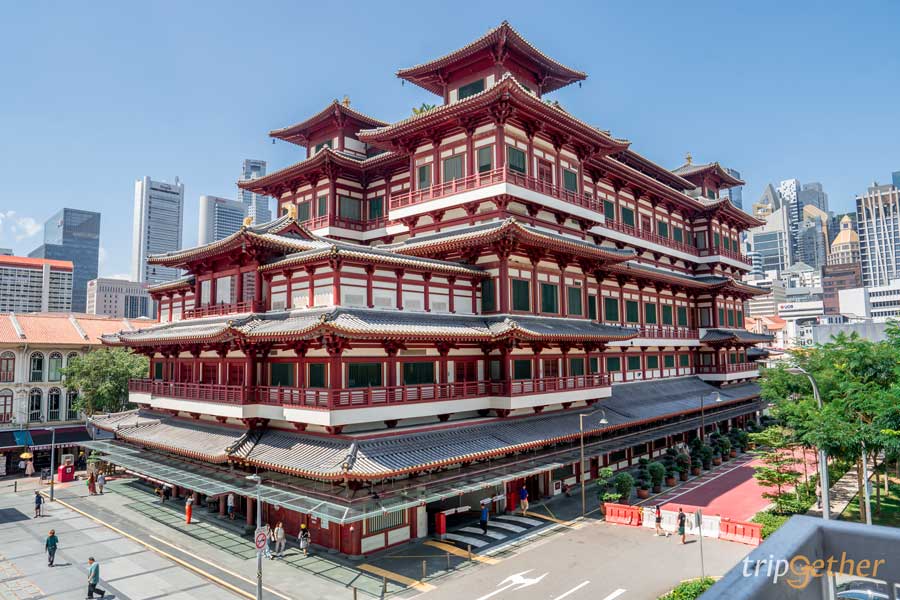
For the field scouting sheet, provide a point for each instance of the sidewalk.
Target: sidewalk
(842, 493)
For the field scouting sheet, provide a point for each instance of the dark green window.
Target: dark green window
(485, 159)
(731, 318)
(417, 373)
(653, 361)
(521, 295)
(740, 318)
(424, 177)
(521, 369)
(363, 375)
(613, 364)
(726, 242)
(634, 363)
(594, 364)
(669, 361)
(611, 309)
(157, 370)
(682, 316)
(609, 210)
(684, 360)
(574, 298)
(488, 295)
(667, 314)
(281, 374)
(349, 208)
(470, 89)
(453, 168)
(516, 159)
(322, 208)
(627, 216)
(592, 307)
(376, 208)
(325, 144)
(650, 313)
(721, 317)
(576, 366)
(631, 311)
(549, 298)
(303, 211)
(732, 358)
(316, 375)
(715, 240)
(678, 234)
(570, 180)
(662, 229)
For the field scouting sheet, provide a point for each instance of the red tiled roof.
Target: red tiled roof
(27, 261)
(58, 328)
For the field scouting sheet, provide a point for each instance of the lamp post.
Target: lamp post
(823, 464)
(259, 582)
(52, 461)
(602, 421)
(716, 398)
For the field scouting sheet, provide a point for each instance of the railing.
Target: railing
(721, 251)
(727, 368)
(651, 237)
(345, 223)
(448, 188)
(7, 376)
(6, 417)
(668, 332)
(332, 399)
(53, 414)
(224, 309)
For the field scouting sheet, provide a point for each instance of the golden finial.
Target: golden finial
(291, 211)
(248, 221)
(346, 101)
(688, 158)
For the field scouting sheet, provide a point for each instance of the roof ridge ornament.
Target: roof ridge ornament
(688, 159)
(248, 221)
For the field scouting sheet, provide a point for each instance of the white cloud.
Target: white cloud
(101, 256)
(20, 227)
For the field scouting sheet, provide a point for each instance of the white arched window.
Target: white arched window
(37, 367)
(35, 399)
(54, 367)
(71, 410)
(54, 399)
(7, 366)
(6, 406)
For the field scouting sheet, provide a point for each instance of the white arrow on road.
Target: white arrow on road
(518, 581)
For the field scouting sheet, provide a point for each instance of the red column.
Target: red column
(398, 273)
(289, 289)
(183, 303)
(427, 279)
(250, 518)
(238, 285)
(212, 290)
(504, 280)
(336, 282)
(257, 289)
(470, 153)
(535, 297)
(475, 283)
(391, 366)
(370, 274)
(501, 146)
(451, 299)
(311, 273)
(332, 198)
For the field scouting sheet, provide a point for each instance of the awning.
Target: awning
(23, 438)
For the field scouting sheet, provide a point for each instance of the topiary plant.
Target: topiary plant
(623, 483)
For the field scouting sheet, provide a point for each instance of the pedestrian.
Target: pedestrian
(229, 502)
(303, 538)
(38, 502)
(566, 490)
(92, 484)
(681, 523)
(523, 498)
(158, 492)
(270, 537)
(280, 540)
(29, 468)
(101, 482)
(188, 509)
(21, 464)
(484, 518)
(94, 578)
(50, 545)
(659, 529)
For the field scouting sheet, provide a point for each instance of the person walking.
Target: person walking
(50, 545)
(29, 468)
(101, 482)
(681, 524)
(94, 578)
(523, 498)
(38, 502)
(484, 517)
(229, 502)
(280, 540)
(270, 537)
(303, 538)
(188, 509)
(659, 529)
(92, 484)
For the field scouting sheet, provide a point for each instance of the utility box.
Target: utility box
(65, 473)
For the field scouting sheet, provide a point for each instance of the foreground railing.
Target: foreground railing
(728, 368)
(224, 309)
(668, 332)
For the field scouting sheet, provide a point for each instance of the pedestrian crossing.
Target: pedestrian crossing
(499, 528)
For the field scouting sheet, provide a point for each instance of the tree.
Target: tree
(101, 378)
(425, 107)
(777, 469)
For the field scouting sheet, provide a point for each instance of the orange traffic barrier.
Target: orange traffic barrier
(622, 514)
(740, 531)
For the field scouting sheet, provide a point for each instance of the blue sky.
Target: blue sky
(99, 94)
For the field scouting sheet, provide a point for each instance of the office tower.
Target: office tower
(812, 194)
(30, 284)
(158, 221)
(118, 298)
(255, 205)
(878, 223)
(773, 241)
(73, 235)
(895, 178)
(735, 194)
(837, 277)
(219, 218)
(6, 251)
(813, 247)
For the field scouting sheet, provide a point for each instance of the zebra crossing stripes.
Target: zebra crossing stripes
(490, 534)
(506, 526)
(465, 539)
(518, 519)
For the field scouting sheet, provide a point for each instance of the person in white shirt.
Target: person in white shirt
(229, 502)
(280, 540)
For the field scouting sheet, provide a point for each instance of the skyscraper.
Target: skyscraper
(878, 222)
(255, 205)
(73, 235)
(158, 221)
(895, 178)
(813, 194)
(219, 218)
(735, 194)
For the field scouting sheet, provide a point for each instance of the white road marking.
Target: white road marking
(475, 542)
(490, 534)
(615, 594)
(575, 589)
(527, 521)
(507, 526)
(517, 581)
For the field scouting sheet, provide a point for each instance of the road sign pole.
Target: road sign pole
(699, 522)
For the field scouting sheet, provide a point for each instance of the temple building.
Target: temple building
(442, 306)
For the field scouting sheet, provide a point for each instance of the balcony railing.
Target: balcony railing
(668, 332)
(727, 368)
(224, 309)
(720, 251)
(6, 417)
(333, 399)
(7, 376)
(345, 223)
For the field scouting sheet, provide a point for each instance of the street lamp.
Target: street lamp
(259, 583)
(715, 398)
(602, 421)
(823, 465)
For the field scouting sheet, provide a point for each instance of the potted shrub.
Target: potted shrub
(643, 462)
(696, 466)
(716, 459)
(657, 472)
(643, 489)
(725, 448)
(706, 456)
(670, 477)
(623, 482)
(605, 493)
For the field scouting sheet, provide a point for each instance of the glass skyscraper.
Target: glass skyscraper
(73, 235)
(255, 205)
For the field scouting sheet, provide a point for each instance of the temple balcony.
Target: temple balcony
(728, 372)
(661, 335)
(344, 406)
(224, 309)
(499, 181)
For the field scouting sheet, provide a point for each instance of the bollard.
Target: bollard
(469, 548)
(15, 487)
(354, 593)
(448, 561)
(383, 586)
(424, 569)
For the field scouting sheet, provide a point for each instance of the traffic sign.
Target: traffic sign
(698, 519)
(260, 538)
